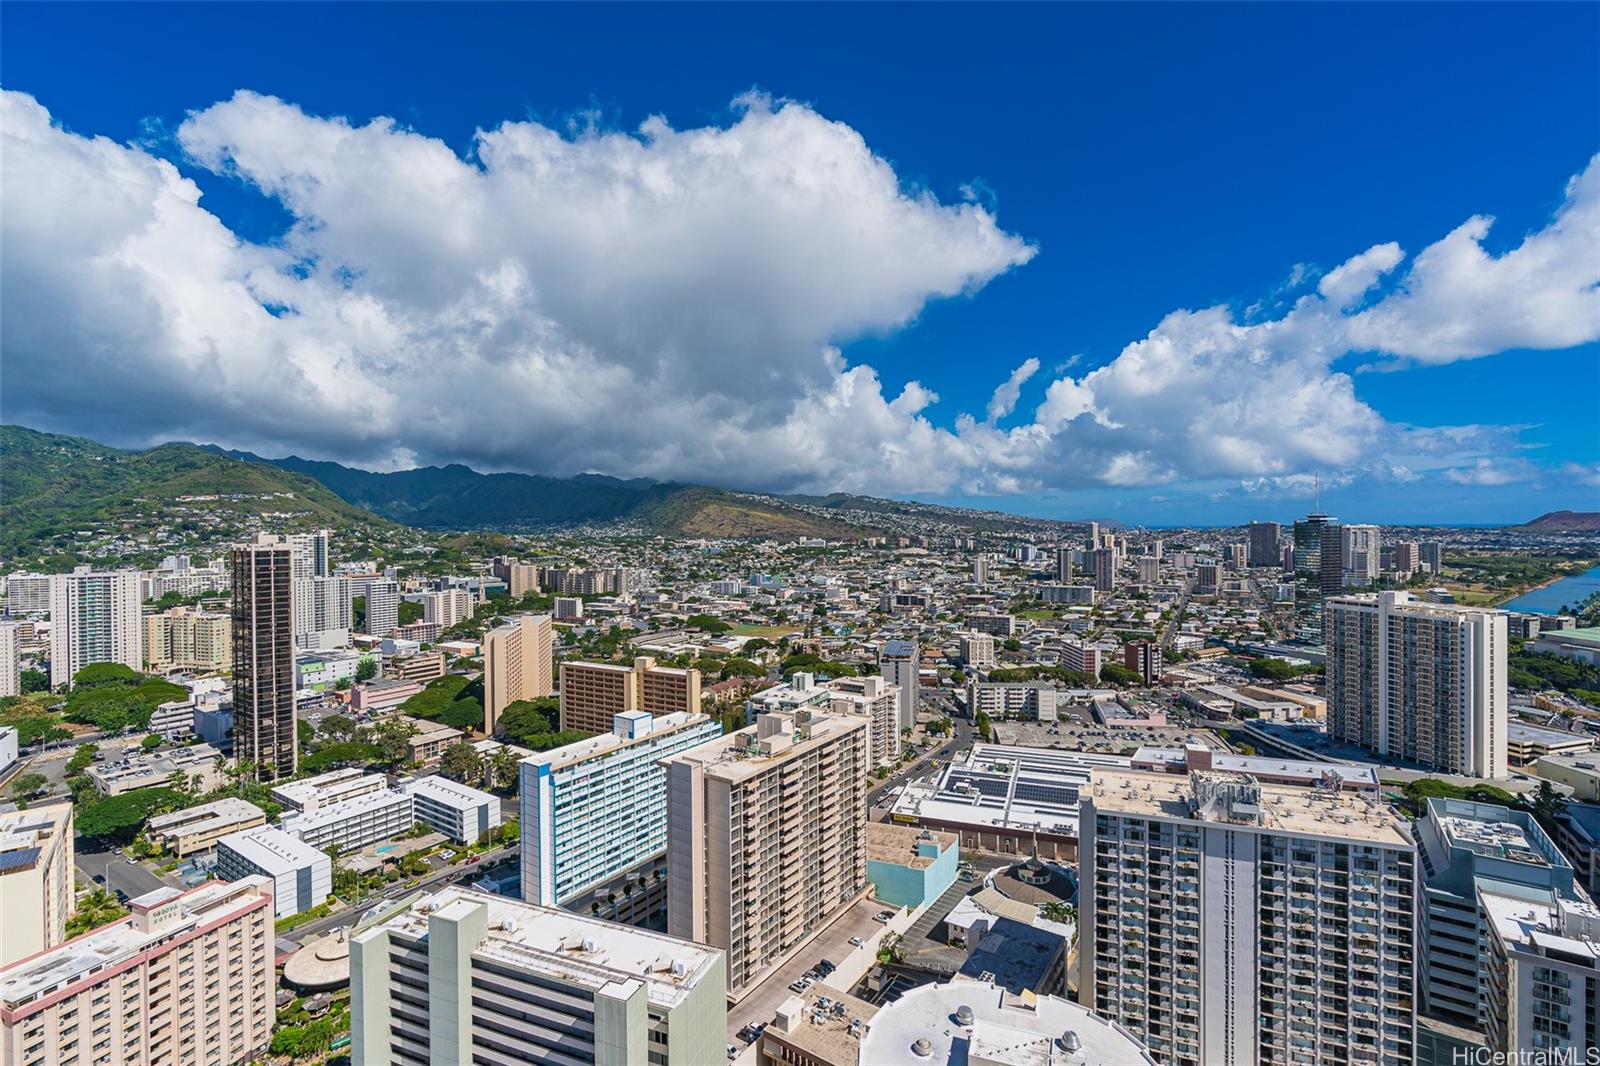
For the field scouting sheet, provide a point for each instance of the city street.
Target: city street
(447, 876)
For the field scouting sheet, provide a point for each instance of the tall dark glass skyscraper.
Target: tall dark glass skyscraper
(1318, 570)
(263, 657)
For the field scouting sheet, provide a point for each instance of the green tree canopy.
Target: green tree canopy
(460, 762)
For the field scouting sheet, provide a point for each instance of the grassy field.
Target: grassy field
(769, 632)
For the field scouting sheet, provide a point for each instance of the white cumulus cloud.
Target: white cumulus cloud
(672, 303)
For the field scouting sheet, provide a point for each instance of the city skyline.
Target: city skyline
(793, 281)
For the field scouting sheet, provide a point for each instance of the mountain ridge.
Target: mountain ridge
(1564, 522)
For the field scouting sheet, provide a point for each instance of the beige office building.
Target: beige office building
(186, 978)
(592, 692)
(520, 578)
(36, 897)
(186, 639)
(766, 836)
(516, 664)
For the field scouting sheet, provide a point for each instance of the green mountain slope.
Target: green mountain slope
(52, 487)
(457, 498)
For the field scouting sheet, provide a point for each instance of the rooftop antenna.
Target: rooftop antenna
(1316, 480)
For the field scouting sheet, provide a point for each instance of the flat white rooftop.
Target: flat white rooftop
(605, 743)
(1284, 808)
(334, 813)
(326, 787)
(1004, 1029)
(450, 793)
(272, 850)
(569, 947)
(1004, 786)
(229, 810)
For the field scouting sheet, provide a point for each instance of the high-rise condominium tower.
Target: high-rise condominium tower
(263, 657)
(1104, 561)
(1226, 920)
(1361, 547)
(900, 664)
(766, 836)
(94, 618)
(1419, 681)
(1263, 541)
(516, 664)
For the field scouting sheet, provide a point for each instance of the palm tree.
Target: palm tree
(1547, 804)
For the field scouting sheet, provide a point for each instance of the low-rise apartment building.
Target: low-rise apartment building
(199, 828)
(353, 823)
(460, 812)
(323, 790)
(302, 875)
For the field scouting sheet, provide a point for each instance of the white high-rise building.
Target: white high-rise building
(10, 650)
(447, 607)
(1361, 548)
(94, 618)
(876, 700)
(383, 607)
(900, 664)
(322, 614)
(1149, 570)
(1542, 969)
(597, 808)
(27, 595)
(1419, 681)
(980, 569)
(468, 977)
(311, 556)
(1223, 920)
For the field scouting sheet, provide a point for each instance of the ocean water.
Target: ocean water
(1569, 591)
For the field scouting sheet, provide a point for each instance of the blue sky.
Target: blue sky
(1140, 160)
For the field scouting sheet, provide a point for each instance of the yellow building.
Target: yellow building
(187, 639)
(517, 659)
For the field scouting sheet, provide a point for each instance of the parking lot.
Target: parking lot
(833, 944)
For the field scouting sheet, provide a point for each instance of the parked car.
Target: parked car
(856, 942)
(733, 1051)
